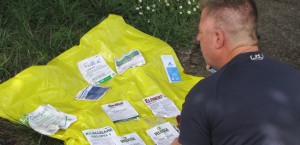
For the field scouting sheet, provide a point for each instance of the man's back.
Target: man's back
(252, 100)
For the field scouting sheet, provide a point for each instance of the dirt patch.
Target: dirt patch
(192, 61)
(279, 32)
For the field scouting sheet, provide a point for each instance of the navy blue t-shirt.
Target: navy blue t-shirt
(252, 100)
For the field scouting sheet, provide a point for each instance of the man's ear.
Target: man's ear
(219, 38)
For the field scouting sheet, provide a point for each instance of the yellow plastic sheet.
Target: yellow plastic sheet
(58, 82)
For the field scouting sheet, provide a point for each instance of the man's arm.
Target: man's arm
(196, 113)
(176, 142)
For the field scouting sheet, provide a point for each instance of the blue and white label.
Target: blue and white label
(171, 68)
(92, 93)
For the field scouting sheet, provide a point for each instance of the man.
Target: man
(251, 99)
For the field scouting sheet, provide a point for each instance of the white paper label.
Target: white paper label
(163, 134)
(47, 120)
(132, 59)
(120, 111)
(171, 68)
(162, 106)
(95, 70)
(101, 136)
(129, 139)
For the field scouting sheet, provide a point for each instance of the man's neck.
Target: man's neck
(234, 51)
(241, 49)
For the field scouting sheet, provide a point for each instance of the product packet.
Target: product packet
(132, 59)
(120, 111)
(171, 68)
(95, 70)
(101, 136)
(163, 134)
(162, 106)
(129, 139)
(92, 93)
(47, 120)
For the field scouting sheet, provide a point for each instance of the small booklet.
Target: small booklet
(47, 120)
(92, 93)
(162, 106)
(101, 136)
(120, 111)
(95, 70)
(132, 59)
(129, 139)
(163, 134)
(171, 68)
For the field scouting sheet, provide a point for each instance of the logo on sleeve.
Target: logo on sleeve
(257, 57)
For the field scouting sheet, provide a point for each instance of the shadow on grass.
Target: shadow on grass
(17, 134)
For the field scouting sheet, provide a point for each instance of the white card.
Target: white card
(163, 134)
(129, 139)
(101, 136)
(162, 106)
(120, 111)
(95, 70)
(47, 120)
(171, 68)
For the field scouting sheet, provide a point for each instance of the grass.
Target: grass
(32, 32)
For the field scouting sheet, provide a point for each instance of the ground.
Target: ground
(279, 31)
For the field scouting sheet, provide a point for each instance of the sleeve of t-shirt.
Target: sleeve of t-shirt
(195, 116)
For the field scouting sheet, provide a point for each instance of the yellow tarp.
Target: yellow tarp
(58, 82)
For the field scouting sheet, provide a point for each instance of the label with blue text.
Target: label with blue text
(171, 68)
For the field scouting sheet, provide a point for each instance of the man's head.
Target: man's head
(227, 28)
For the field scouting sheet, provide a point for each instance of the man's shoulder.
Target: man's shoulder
(205, 88)
(255, 63)
(209, 82)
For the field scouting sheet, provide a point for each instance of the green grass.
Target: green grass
(32, 32)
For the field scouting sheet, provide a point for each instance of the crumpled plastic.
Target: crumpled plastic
(58, 82)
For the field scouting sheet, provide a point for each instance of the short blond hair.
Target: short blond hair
(237, 17)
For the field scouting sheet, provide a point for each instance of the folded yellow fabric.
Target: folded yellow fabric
(58, 82)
